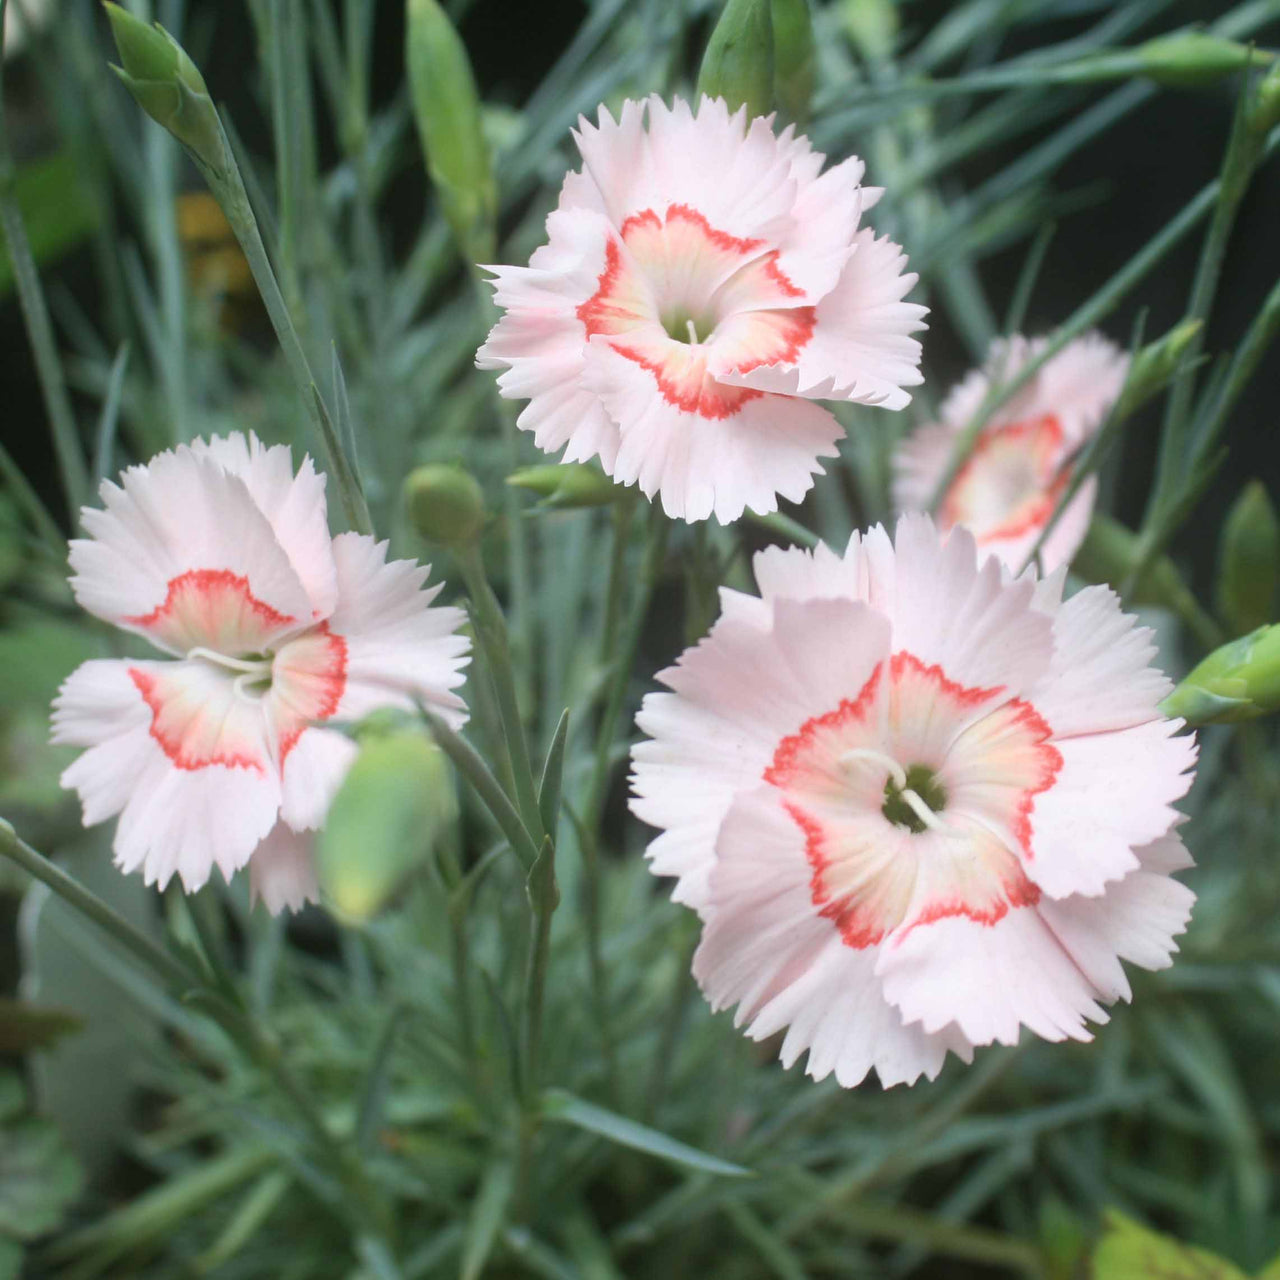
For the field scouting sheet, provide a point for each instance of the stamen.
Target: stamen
(927, 815)
(693, 332)
(238, 687)
(857, 754)
(260, 668)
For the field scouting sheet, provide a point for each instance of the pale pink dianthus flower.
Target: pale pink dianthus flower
(704, 280)
(1009, 486)
(217, 755)
(919, 805)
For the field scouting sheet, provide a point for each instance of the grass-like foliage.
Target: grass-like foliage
(485, 1054)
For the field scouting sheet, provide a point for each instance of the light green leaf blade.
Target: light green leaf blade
(559, 1105)
(1129, 1251)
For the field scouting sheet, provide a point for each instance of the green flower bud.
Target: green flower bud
(794, 68)
(1155, 365)
(568, 484)
(738, 64)
(445, 504)
(446, 106)
(1249, 561)
(1239, 681)
(394, 802)
(1192, 58)
(168, 86)
(1266, 108)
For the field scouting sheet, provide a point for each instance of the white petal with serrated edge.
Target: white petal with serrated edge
(731, 170)
(988, 979)
(861, 349)
(1135, 919)
(1113, 793)
(313, 772)
(1101, 676)
(702, 466)
(178, 514)
(766, 949)
(175, 818)
(949, 608)
(540, 340)
(293, 504)
(401, 649)
(735, 697)
(282, 871)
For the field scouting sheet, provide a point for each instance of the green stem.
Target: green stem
(1089, 313)
(228, 186)
(257, 1045)
(1238, 167)
(672, 1021)
(472, 767)
(623, 665)
(66, 441)
(491, 633)
(785, 527)
(176, 974)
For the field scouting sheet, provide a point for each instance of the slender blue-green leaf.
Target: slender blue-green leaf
(559, 1105)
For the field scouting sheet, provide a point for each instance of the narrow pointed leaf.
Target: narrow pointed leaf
(552, 774)
(562, 1106)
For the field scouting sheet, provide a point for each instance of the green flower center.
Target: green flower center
(924, 782)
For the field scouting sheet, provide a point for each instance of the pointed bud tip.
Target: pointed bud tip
(567, 484)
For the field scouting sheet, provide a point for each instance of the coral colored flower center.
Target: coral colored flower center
(245, 694)
(1011, 482)
(914, 799)
(677, 295)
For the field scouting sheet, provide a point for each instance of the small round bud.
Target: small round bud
(445, 504)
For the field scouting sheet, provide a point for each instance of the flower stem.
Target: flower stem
(217, 1003)
(1087, 314)
(624, 661)
(228, 187)
(173, 971)
(491, 633)
(472, 767)
(1244, 150)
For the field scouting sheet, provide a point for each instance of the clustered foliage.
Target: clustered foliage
(491, 1059)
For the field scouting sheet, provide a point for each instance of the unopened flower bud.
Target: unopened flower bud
(395, 800)
(1249, 561)
(1155, 366)
(1266, 103)
(446, 107)
(738, 65)
(1239, 681)
(793, 57)
(168, 86)
(1192, 58)
(445, 504)
(569, 484)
